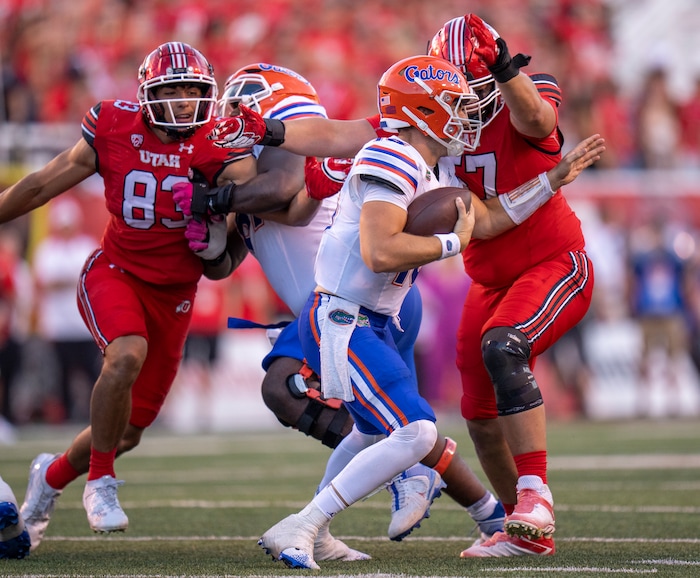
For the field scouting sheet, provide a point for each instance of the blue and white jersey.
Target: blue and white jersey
(286, 254)
(339, 265)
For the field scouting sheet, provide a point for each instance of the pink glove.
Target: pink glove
(324, 179)
(207, 238)
(239, 132)
(182, 195)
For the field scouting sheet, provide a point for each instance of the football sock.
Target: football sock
(329, 501)
(483, 509)
(347, 449)
(101, 464)
(60, 473)
(535, 483)
(532, 464)
(373, 468)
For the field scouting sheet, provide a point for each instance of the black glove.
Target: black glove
(506, 67)
(196, 200)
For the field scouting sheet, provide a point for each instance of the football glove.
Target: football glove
(207, 238)
(247, 130)
(493, 50)
(324, 179)
(196, 200)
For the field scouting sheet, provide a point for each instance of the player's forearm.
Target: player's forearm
(402, 252)
(26, 195)
(498, 215)
(219, 269)
(298, 213)
(491, 219)
(321, 137)
(266, 192)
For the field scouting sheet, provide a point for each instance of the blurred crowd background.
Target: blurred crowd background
(628, 70)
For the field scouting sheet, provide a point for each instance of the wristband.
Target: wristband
(220, 199)
(523, 201)
(274, 132)
(450, 244)
(200, 199)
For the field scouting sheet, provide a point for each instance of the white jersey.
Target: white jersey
(339, 265)
(286, 254)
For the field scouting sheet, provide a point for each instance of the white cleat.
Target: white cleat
(292, 541)
(100, 500)
(412, 493)
(297, 558)
(326, 547)
(39, 500)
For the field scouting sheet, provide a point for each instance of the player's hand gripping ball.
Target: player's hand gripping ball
(435, 211)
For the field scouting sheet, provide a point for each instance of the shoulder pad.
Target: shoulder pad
(389, 160)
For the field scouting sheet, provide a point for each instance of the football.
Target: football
(435, 211)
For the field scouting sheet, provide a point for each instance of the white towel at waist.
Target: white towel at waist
(338, 318)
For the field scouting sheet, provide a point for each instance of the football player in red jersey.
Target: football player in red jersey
(530, 284)
(136, 290)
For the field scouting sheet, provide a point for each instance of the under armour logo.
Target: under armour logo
(186, 148)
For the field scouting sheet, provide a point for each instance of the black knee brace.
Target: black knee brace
(317, 404)
(506, 355)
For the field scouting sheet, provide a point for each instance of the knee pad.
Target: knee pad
(419, 436)
(506, 355)
(318, 411)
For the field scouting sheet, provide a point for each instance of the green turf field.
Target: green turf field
(626, 500)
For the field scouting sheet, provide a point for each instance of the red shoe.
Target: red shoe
(533, 517)
(501, 545)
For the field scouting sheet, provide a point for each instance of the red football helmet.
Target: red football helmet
(453, 42)
(432, 95)
(176, 63)
(261, 86)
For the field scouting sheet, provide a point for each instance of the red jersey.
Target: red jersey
(504, 160)
(145, 232)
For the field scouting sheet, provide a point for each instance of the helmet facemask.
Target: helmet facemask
(490, 98)
(176, 64)
(463, 129)
(453, 43)
(261, 87)
(247, 89)
(160, 110)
